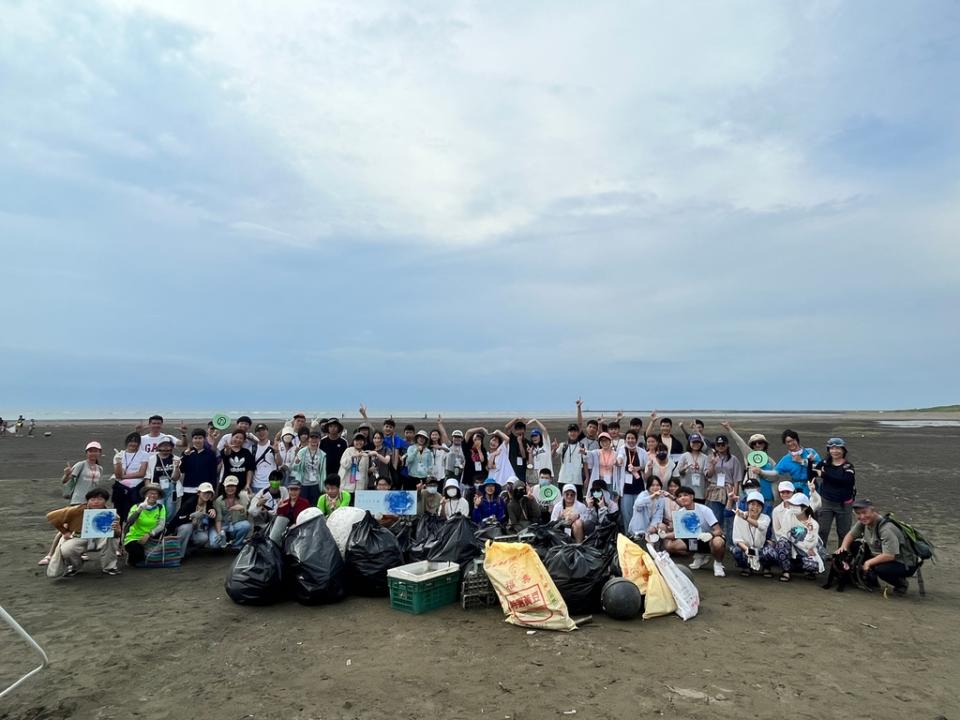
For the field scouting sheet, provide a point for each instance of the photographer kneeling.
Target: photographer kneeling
(891, 558)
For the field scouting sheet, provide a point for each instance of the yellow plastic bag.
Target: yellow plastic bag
(527, 594)
(631, 562)
(659, 600)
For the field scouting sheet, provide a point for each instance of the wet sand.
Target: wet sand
(169, 644)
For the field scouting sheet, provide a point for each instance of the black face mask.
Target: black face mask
(661, 456)
(518, 494)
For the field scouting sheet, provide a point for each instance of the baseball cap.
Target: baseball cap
(573, 427)
(293, 482)
(536, 431)
(695, 437)
(231, 480)
(754, 495)
(862, 504)
(798, 499)
(569, 487)
(166, 440)
(259, 427)
(603, 435)
(93, 445)
(785, 486)
(457, 433)
(721, 440)
(205, 487)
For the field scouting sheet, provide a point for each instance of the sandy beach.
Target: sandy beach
(153, 644)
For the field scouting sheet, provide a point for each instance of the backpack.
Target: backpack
(922, 548)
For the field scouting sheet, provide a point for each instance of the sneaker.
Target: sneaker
(718, 569)
(111, 571)
(84, 557)
(699, 561)
(70, 571)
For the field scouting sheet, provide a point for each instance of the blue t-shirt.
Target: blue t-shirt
(395, 442)
(797, 470)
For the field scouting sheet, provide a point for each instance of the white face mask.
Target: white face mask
(432, 490)
(451, 492)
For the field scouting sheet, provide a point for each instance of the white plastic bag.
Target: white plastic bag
(684, 592)
(341, 522)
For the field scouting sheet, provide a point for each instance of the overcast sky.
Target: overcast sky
(448, 205)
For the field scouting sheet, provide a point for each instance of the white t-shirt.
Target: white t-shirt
(705, 516)
(501, 470)
(249, 443)
(263, 468)
(149, 444)
(754, 537)
(130, 463)
(541, 458)
(571, 464)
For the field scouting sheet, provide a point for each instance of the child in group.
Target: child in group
(333, 497)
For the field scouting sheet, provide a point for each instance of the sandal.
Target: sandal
(767, 574)
(744, 573)
(785, 577)
(45, 560)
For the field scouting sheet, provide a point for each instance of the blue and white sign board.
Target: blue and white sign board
(686, 524)
(98, 523)
(387, 502)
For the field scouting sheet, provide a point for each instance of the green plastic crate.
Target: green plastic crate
(423, 595)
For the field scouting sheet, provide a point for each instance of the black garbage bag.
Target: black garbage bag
(425, 538)
(546, 536)
(256, 575)
(457, 542)
(579, 572)
(604, 535)
(314, 565)
(490, 529)
(403, 531)
(371, 550)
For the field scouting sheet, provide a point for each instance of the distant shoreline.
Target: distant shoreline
(677, 415)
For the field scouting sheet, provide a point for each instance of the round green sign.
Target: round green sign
(221, 421)
(549, 493)
(757, 458)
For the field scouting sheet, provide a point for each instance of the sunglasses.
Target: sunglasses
(835, 442)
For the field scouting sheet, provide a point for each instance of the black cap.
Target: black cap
(244, 418)
(259, 427)
(573, 427)
(862, 504)
(722, 440)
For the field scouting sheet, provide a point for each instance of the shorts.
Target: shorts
(698, 546)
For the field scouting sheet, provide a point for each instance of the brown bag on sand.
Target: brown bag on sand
(527, 594)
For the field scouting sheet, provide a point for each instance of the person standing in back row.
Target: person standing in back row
(838, 489)
(333, 445)
(266, 458)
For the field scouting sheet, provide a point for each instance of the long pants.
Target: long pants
(235, 534)
(893, 572)
(832, 511)
(310, 493)
(740, 557)
(626, 511)
(136, 552)
(780, 554)
(124, 498)
(188, 535)
(719, 510)
(72, 549)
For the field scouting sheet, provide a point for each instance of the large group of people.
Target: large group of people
(212, 490)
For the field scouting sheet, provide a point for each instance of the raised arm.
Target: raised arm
(580, 413)
(649, 430)
(444, 438)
